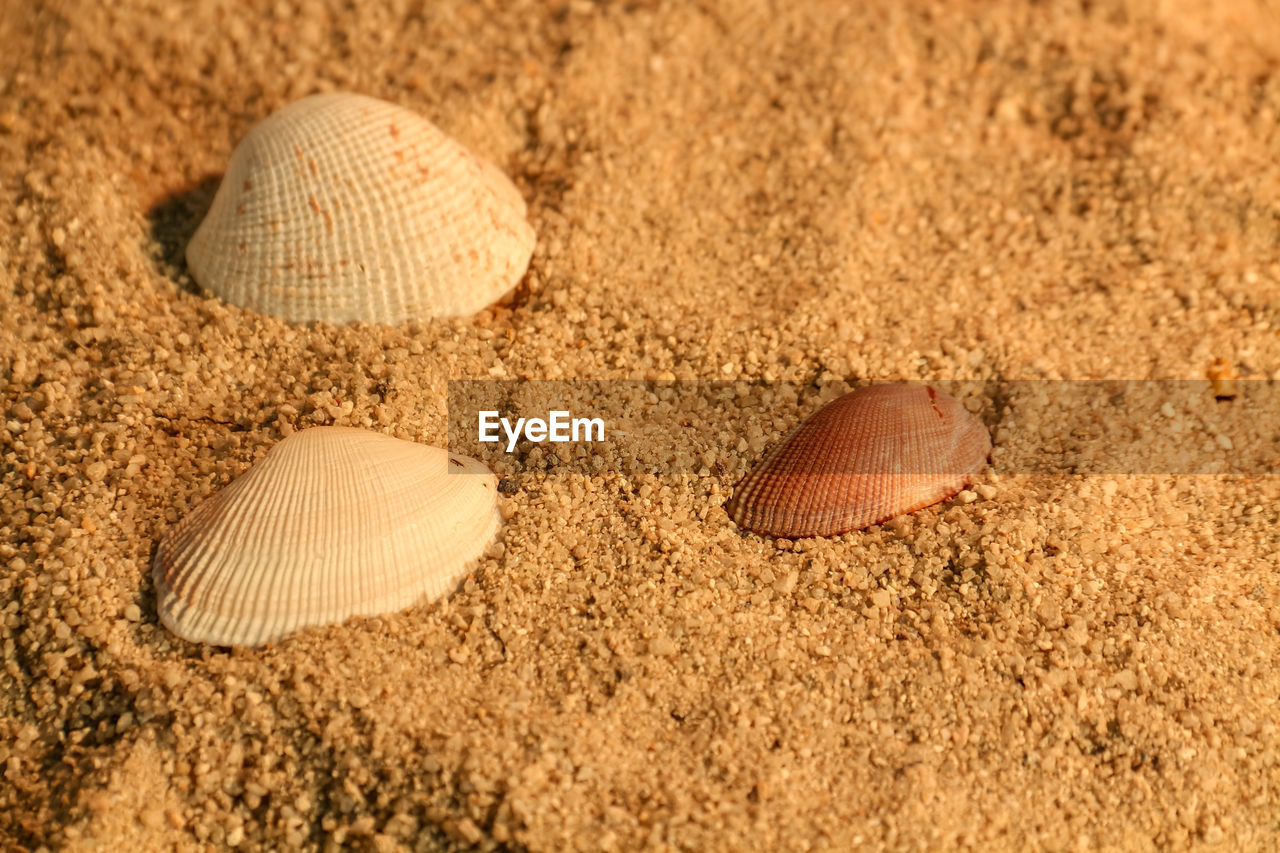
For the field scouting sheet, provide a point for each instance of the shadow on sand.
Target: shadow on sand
(173, 220)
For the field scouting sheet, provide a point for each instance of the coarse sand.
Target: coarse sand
(800, 192)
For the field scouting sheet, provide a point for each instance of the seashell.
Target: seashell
(866, 457)
(333, 522)
(341, 207)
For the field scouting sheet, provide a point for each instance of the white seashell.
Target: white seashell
(332, 523)
(345, 208)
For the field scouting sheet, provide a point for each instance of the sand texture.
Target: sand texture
(792, 193)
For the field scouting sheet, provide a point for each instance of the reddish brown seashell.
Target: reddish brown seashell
(866, 457)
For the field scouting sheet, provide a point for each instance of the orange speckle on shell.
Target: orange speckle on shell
(866, 457)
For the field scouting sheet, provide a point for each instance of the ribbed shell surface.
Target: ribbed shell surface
(343, 208)
(866, 457)
(332, 523)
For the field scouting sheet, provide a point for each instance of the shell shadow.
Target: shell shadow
(172, 221)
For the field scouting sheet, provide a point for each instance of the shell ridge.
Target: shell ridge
(262, 511)
(198, 562)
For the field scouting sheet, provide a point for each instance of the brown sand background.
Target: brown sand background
(802, 191)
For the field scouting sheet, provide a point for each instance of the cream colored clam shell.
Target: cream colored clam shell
(344, 208)
(332, 523)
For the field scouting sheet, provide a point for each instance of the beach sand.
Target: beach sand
(803, 193)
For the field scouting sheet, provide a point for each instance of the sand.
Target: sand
(810, 194)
